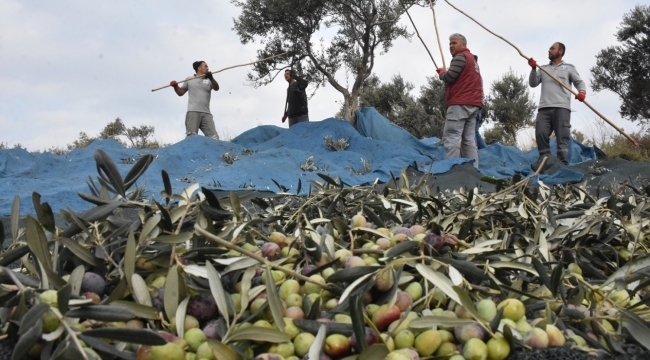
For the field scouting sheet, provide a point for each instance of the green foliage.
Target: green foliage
(6, 146)
(624, 69)
(510, 106)
(138, 137)
(362, 28)
(433, 100)
(423, 116)
(496, 134)
(620, 147)
(579, 136)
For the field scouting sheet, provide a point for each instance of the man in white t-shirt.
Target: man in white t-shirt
(198, 105)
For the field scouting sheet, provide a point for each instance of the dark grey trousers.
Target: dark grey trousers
(298, 119)
(557, 120)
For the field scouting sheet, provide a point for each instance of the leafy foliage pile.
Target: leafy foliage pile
(115, 286)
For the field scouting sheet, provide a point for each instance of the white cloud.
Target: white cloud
(74, 66)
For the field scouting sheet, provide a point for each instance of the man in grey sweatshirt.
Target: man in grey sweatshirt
(554, 113)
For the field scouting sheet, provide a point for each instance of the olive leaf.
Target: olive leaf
(246, 283)
(32, 317)
(81, 252)
(107, 313)
(134, 336)
(427, 322)
(15, 217)
(219, 294)
(38, 242)
(9, 256)
(43, 213)
(172, 292)
(312, 327)
(439, 280)
(358, 323)
(257, 333)
(374, 351)
(108, 171)
(26, 341)
(222, 351)
(95, 214)
(76, 278)
(181, 310)
(129, 257)
(103, 348)
(63, 298)
(638, 328)
(351, 274)
(141, 311)
(316, 347)
(137, 170)
(174, 239)
(139, 290)
(273, 298)
(149, 227)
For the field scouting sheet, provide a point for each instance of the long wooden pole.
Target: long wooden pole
(218, 71)
(435, 24)
(418, 33)
(636, 143)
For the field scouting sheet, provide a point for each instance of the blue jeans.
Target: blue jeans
(480, 143)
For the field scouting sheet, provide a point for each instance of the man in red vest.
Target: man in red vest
(464, 92)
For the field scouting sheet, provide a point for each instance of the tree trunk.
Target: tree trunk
(351, 105)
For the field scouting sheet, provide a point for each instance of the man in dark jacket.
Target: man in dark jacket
(296, 105)
(464, 93)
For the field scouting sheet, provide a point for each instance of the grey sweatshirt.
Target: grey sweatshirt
(554, 95)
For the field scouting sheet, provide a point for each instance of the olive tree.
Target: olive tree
(510, 106)
(359, 31)
(625, 68)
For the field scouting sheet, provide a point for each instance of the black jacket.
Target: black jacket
(297, 98)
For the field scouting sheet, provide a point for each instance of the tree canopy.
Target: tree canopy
(361, 29)
(625, 69)
(422, 116)
(510, 106)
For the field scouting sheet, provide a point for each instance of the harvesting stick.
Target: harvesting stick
(636, 143)
(418, 33)
(435, 24)
(218, 71)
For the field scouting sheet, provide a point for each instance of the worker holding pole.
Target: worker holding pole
(549, 74)
(554, 114)
(464, 98)
(200, 87)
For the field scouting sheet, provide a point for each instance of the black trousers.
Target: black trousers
(551, 120)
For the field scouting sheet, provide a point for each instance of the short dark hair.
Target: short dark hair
(562, 47)
(196, 64)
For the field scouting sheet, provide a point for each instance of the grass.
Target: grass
(616, 145)
(621, 147)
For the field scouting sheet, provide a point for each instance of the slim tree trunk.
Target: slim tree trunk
(351, 105)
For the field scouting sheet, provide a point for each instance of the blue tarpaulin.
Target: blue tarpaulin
(264, 154)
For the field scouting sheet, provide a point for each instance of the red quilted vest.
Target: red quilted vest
(468, 88)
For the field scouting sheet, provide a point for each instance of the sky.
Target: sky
(73, 66)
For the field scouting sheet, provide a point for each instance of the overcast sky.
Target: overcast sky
(74, 65)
